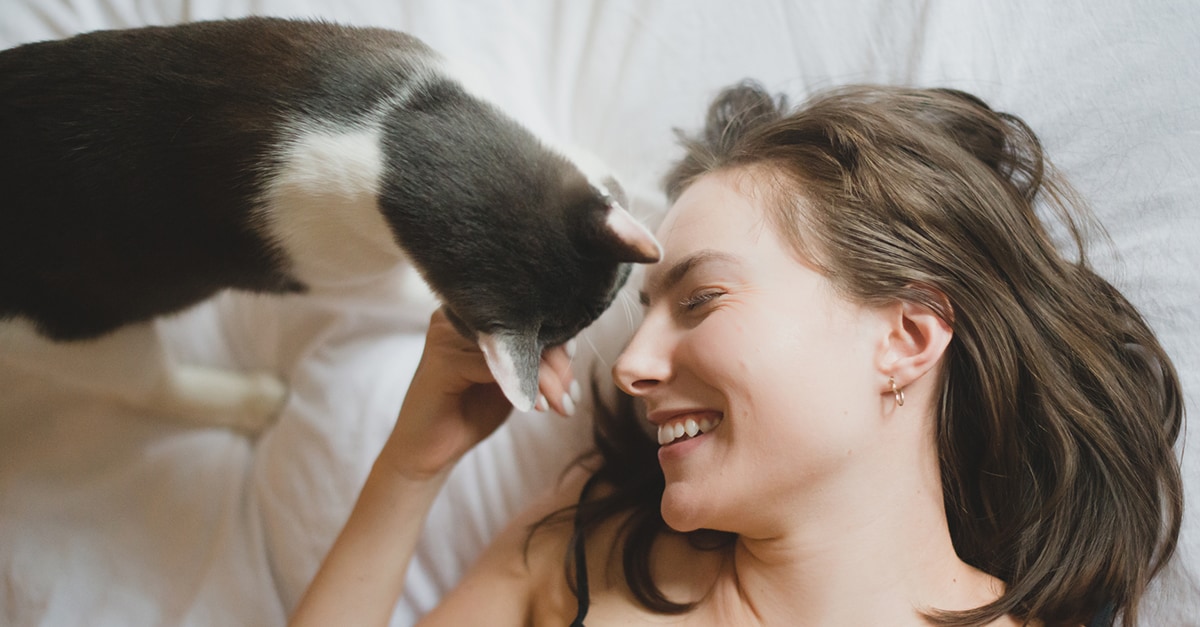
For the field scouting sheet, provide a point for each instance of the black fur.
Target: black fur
(133, 165)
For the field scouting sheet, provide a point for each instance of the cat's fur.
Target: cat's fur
(144, 170)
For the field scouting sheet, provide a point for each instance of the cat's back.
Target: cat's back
(130, 158)
(272, 50)
(187, 117)
(182, 107)
(232, 70)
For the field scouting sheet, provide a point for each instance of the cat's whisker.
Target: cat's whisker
(627, 305)
(596, 351)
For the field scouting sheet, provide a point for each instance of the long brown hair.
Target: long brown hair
(1058, 410)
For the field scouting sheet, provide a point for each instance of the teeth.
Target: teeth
(670, 432)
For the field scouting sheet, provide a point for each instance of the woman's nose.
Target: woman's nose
(645, 362)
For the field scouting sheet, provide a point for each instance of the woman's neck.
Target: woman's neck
(877, 553)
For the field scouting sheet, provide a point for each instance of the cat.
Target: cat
(146, 169)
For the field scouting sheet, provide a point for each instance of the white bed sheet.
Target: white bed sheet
(112, 517)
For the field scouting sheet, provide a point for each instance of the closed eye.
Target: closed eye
(700, 299)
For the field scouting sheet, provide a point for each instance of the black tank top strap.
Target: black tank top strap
(580, 547)
(1105, 618)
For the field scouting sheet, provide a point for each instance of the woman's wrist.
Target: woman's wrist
(363, 574)
(404, 470)
(420, 460)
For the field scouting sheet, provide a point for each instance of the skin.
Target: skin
(453, 404)
(832, 488)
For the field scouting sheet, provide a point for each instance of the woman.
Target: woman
(881, 397)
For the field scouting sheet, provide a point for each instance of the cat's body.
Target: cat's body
(145, 170)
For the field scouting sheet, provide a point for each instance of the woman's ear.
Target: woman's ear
(917, 338)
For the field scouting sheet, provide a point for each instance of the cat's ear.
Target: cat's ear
(513, 359)
(628, 239)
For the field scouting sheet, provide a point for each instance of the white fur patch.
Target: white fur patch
(132, 366)
(321, 206)
(248, 401)
(498, 352)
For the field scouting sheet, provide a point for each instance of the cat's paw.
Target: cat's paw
(246, 401)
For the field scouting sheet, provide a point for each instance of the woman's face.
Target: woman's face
(751, 350)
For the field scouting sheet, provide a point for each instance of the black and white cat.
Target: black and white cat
(144, 170)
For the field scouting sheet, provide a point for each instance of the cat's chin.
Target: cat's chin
(513, 359)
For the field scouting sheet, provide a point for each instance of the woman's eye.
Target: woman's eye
(699, 299)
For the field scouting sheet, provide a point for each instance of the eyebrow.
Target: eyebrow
(677, 272)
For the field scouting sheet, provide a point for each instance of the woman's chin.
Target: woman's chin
(682, 511)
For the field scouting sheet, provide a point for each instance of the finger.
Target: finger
(557, 383)
(559, 361)
(553, 391)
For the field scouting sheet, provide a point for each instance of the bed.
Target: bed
(113, 516)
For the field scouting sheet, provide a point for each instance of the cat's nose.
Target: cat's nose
(644, 364)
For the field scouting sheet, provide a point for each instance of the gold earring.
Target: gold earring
(898, 392)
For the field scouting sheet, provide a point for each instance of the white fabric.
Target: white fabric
(111, 517)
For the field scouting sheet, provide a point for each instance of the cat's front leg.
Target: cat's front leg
(131, 366)
(246, 401)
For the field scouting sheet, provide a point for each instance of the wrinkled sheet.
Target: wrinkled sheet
(113, 516)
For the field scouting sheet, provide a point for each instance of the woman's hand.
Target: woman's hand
(453, 402)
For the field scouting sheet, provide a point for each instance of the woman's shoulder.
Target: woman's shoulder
(529, 560)
(519, 578)
(548, 527)
(681, 572)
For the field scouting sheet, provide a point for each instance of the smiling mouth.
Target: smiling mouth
(685, 428)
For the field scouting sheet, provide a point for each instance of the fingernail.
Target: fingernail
(575, 391)
(570, 348)
(540, 405)
(568, 405)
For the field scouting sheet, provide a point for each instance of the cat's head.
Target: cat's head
(569, 283)
(521, 246)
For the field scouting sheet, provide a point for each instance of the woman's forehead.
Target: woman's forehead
(714, 223)
(713, 212)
